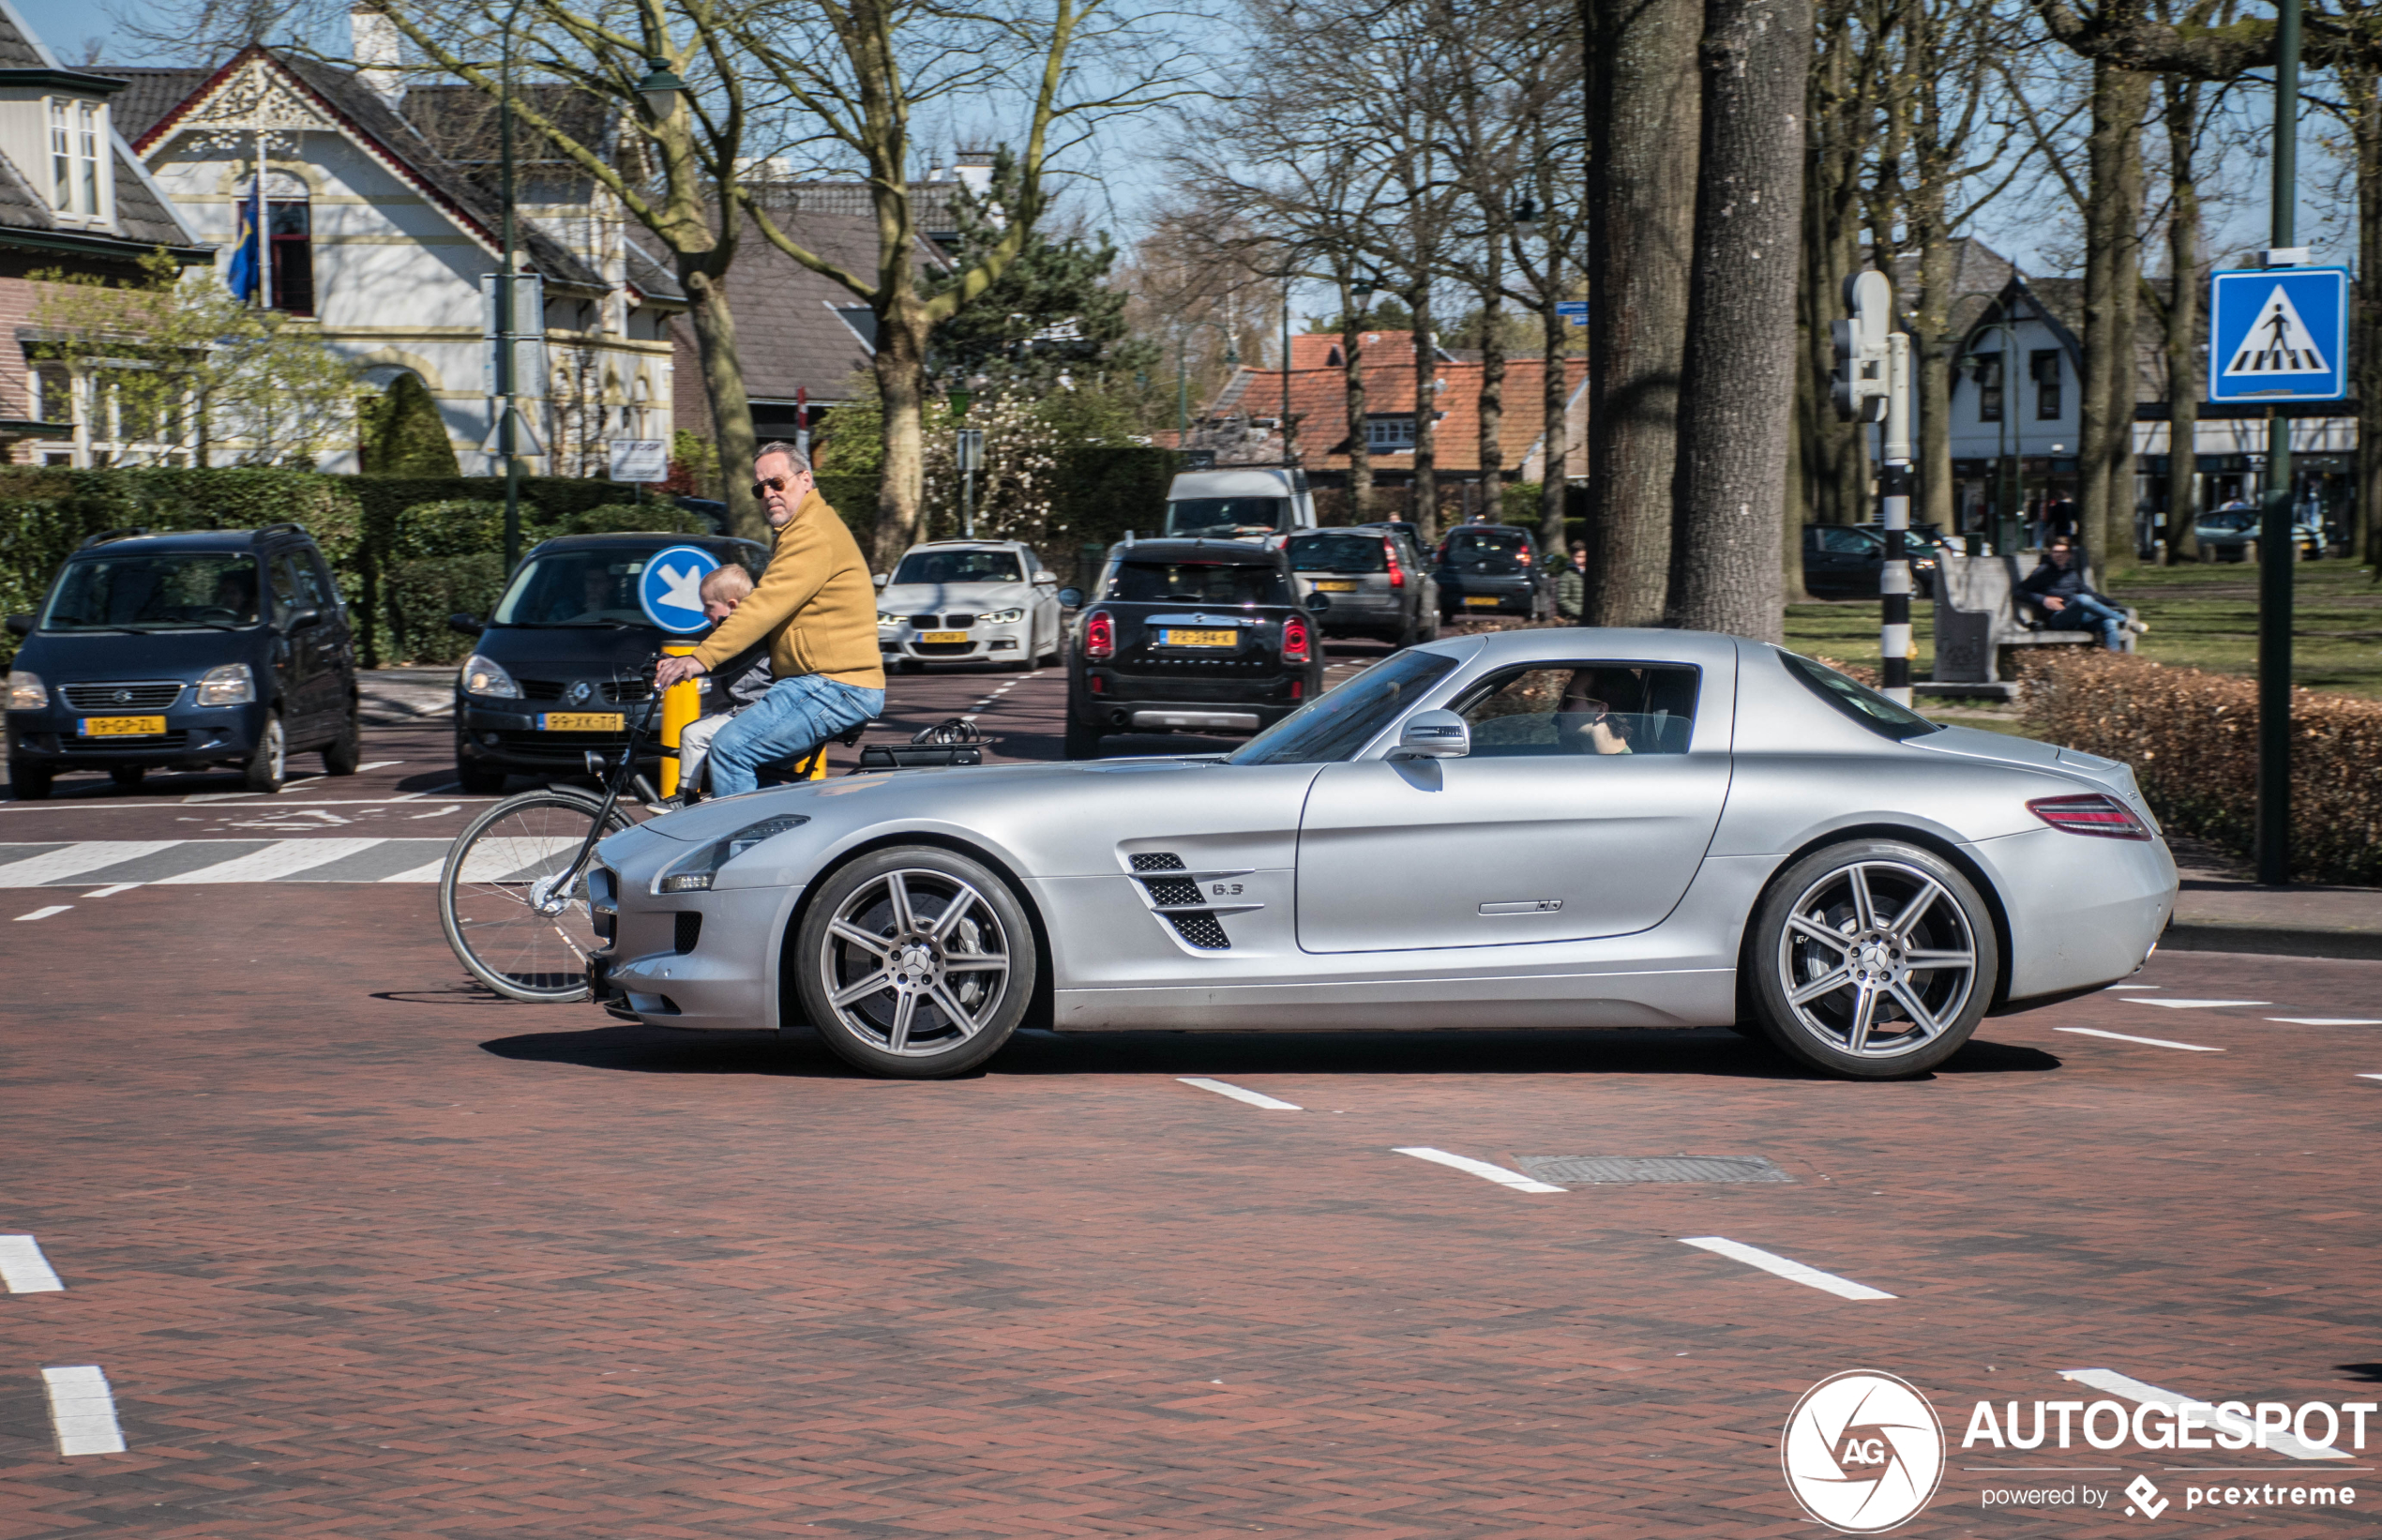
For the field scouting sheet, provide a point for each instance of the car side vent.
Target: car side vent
(1157, 861)
(1202, 931)
(1172, 890)
(689, 929)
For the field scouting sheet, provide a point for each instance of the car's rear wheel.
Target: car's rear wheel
(29, 781)
(916, 962)
(1873, 959)
(1084, 742)
(268, 766)
(128, 775)
(343, 754)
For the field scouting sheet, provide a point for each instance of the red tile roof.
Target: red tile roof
(1319, 402)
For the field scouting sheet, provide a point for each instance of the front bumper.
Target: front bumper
(508, 736)
(690, 959)
(194, 736)
(1003, 643)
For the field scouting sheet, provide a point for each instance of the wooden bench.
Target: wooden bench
(1979, 612)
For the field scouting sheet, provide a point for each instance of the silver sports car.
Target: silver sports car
(1542, 828)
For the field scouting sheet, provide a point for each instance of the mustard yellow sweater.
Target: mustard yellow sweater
(815, 606)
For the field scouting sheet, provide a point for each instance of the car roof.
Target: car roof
(1224, 552)
(1480, 529)
(189, 539)
(966, 545)
(643, 539)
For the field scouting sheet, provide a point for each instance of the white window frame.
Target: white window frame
(82, 185)
(1390, 434)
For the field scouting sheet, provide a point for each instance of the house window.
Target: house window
(1389, 435)
(87, 141)
(55, 402)
(78, 134)
(291, 225)
(2045, 366)
(1989, 388)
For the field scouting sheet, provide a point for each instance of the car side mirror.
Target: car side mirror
(1434, 735)
(879, 579)
(1040, 578)
(1317, 603)
(1071, 597)
(20, 625)
(303, 618)
(465, 624)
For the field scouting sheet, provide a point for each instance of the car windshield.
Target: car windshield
(1338, 553)
(1197, 582)
(1858, 701)
(589, 586)
(958, 566)
(1334, 725)
(1228, 515)
(166, 591)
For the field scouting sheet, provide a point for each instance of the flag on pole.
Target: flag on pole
(247, 269)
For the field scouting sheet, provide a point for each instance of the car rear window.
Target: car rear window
(1858, 701)
(1338, 553)
(1489, 549)
(156, 591)
(958, 566)
(1197, 582)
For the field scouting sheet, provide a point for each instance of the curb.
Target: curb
(2274, 940)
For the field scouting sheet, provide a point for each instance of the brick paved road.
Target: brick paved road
(366, 1253)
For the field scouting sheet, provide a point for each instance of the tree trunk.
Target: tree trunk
(1737, 390)
(1834, 453)
(1492, 447)
(901, 386)
(2363, 89)
(1642, 110)
(2183, 321)
(1426, 510)
(731, 414)
(2111, 225)
(1360, 457)
(1931, 356)
(1556, 435)
(1796, 511)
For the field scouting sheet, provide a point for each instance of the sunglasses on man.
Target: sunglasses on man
(772, 484)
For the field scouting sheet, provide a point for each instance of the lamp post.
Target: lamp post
(506, 384)
(2275, 549)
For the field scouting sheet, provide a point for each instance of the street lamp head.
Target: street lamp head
(1231, 356)
(1362, 292)
(1524, 214)
(660, 88)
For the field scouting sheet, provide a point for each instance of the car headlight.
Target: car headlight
(232, 684)
(25, 692)
(884, 619)
(693, 873)
(482, 677)
(1002, 617)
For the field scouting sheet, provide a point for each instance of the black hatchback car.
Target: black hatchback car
(184, 651)
(1190, 635)
(565, 661)
(1490, 569)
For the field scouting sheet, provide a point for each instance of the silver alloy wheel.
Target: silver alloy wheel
(1877, 958)
(915, 962)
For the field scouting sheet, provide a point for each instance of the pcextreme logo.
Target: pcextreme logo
(1863, 1451)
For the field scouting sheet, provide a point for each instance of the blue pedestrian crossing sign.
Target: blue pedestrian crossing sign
(2279, 334)
(671, 589)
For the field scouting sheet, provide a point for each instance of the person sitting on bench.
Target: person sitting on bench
(747, 675)
(2059, 588)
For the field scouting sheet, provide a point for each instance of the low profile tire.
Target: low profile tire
(1871, 959)
(269, 765)
(477, 779)
(129, 777)
(30, 782)
(343, 754)
(910, 665)
(1084, 742)
(915, 962)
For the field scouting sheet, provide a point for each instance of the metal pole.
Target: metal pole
(1286, 369)
(1181, 389)
(2275, 551)
(1894, 486)
(506, 384)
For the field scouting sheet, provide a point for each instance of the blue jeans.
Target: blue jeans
(2083, 613)
(795, 717)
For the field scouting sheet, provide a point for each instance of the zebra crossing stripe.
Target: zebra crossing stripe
(191, 862)
(282, 859)
(72, 860)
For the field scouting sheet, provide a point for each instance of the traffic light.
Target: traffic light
(1860, 384)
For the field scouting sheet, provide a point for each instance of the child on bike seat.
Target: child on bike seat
(738, 683)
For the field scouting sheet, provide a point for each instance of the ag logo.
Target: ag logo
(1862, 1452)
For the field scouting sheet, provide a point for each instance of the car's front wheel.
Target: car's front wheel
(916, 962)
(1872, 958)
(269, 765)
(29, 781)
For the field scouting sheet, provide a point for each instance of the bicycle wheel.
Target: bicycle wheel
(498, 902)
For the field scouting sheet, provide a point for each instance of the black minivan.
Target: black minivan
(184, 651)
(568, 647)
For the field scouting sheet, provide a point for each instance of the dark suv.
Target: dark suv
(1190, 635)
(184, 651)
(564, 663)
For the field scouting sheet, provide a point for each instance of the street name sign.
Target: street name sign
(1573, 310)
(2279, 334)
(640, 459)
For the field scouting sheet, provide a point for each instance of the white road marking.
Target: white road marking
(83, 1411)
(1255, 1098)
(2154, 1042)
(45, 913)
(2282, 1442)
(436, 812)
(377, 765)
(427, 872)
(1497, 1175)
(2327, 1021)
(217, 797)
(278, 859)
(1771, 1262)
(111, 890)
(24, 1269)
(2200, 1005)
(2133, 987)
(88, 855)
(2362, 1076)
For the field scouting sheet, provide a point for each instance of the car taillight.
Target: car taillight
(1295, 641)
(2095, 813)
(1398, 573)
(1523, 556)
(1099, 635)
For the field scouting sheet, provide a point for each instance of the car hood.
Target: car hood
(898, 793)
(64, 658)
(572, 651)
(904, 598)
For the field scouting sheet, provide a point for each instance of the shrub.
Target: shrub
(423, 591)
(402, 433)
(2192, 738)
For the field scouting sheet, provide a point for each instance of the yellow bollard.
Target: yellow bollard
(681, 704)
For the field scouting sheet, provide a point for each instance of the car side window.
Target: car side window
(284, 578)
(1587, 709)
(1838, 541)
(314, 566)
(309, 587)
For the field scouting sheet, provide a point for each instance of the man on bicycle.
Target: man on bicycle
(817, 609)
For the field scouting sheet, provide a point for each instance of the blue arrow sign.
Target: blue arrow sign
(671, 589)
(2279, 334)
(1573, 310)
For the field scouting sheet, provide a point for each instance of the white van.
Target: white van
(1251, 505)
